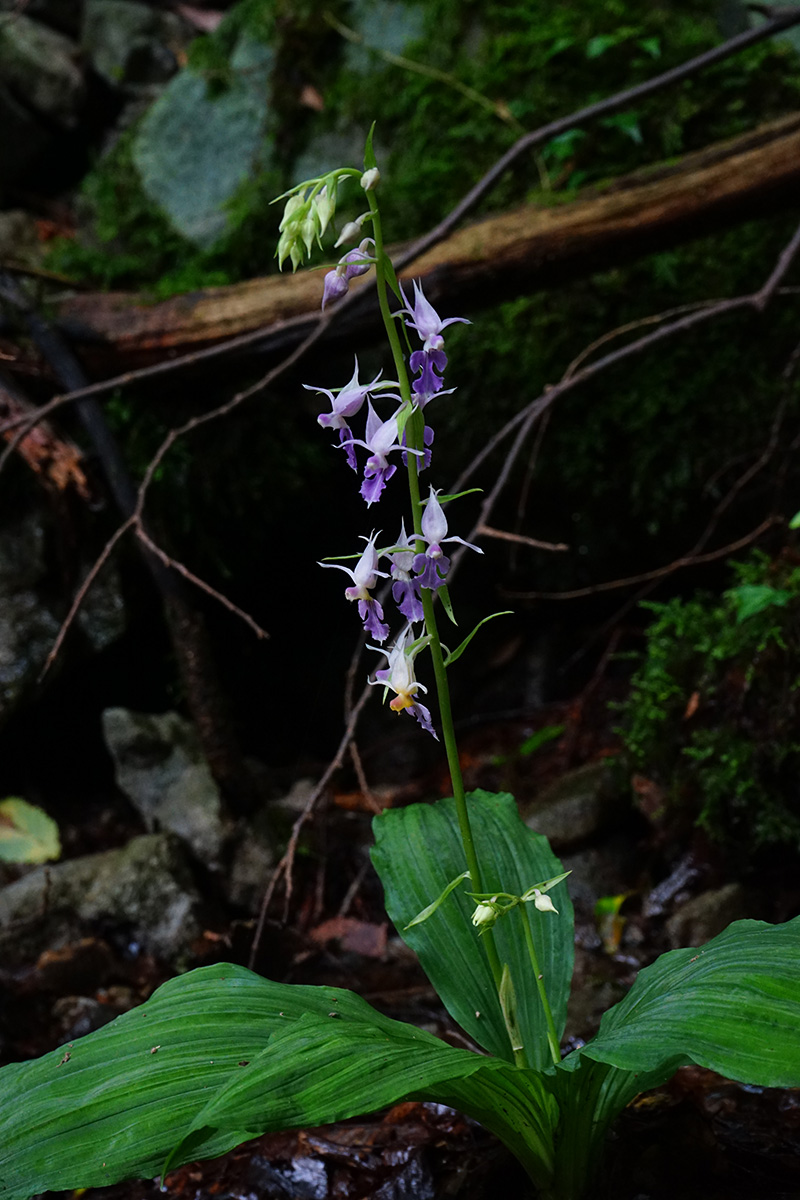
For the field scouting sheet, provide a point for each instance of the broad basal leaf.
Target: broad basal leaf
(732, 1005)
(418, 852)
(115, 1103)
(321, 1069)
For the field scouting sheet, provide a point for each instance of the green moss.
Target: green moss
(713, 709)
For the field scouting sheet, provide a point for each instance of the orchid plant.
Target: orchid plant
(220, 1055)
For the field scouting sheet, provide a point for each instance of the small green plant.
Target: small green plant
(27, 834)
(713, 710)
(221, 1055)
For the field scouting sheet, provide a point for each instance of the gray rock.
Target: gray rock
(102, 617)
(578, 806)
(386, 25)
(130, 43)
(706, 915)
(39, 67)
(28, 624)
(27, 628)
(146, 886)
(195, 149)
(160, 767)
(251, 867)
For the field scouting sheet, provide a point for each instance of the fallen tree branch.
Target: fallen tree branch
(521, 251)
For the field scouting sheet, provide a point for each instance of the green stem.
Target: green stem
(414, 440)
(552, 1034)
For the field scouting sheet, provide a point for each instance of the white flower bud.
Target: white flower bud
(351, 231)
(543, 902)
(484, 915)
(370, 179)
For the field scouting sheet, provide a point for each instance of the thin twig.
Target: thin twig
(363, 783)
(83, 591)
(552, 392)
(520, 538)
(183, 570)
(527, 482)
(686, 560)
(629, 327)
(285, 866)
(352, 891)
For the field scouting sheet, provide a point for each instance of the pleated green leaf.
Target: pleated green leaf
(417, 853)
(322, 1069)
(114, 1104)
(732, 1005)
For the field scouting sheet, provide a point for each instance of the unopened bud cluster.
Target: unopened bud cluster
(309, 209)
(489, 909)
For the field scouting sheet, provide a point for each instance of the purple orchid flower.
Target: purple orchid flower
(381, 439)
(433, 565)
(428, 362)
(365, 577)
(405, 588)
(399, 676)
(426, 322)
(344, 404)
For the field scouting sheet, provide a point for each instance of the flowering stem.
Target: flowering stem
(414, 441)
(552, 1034)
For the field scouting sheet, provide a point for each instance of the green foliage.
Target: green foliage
(543, 61)
(417, 854)
(692, 1006)
(220, 1055)
(714, 705)
(27, 834)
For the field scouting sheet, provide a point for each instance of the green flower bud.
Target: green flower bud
(290, 211)
(325, 204)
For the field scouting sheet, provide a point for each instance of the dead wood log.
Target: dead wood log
(521, 251)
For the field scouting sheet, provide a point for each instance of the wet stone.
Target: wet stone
(144, 889)
(578, 806)
(706, 915)
(160, 767)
